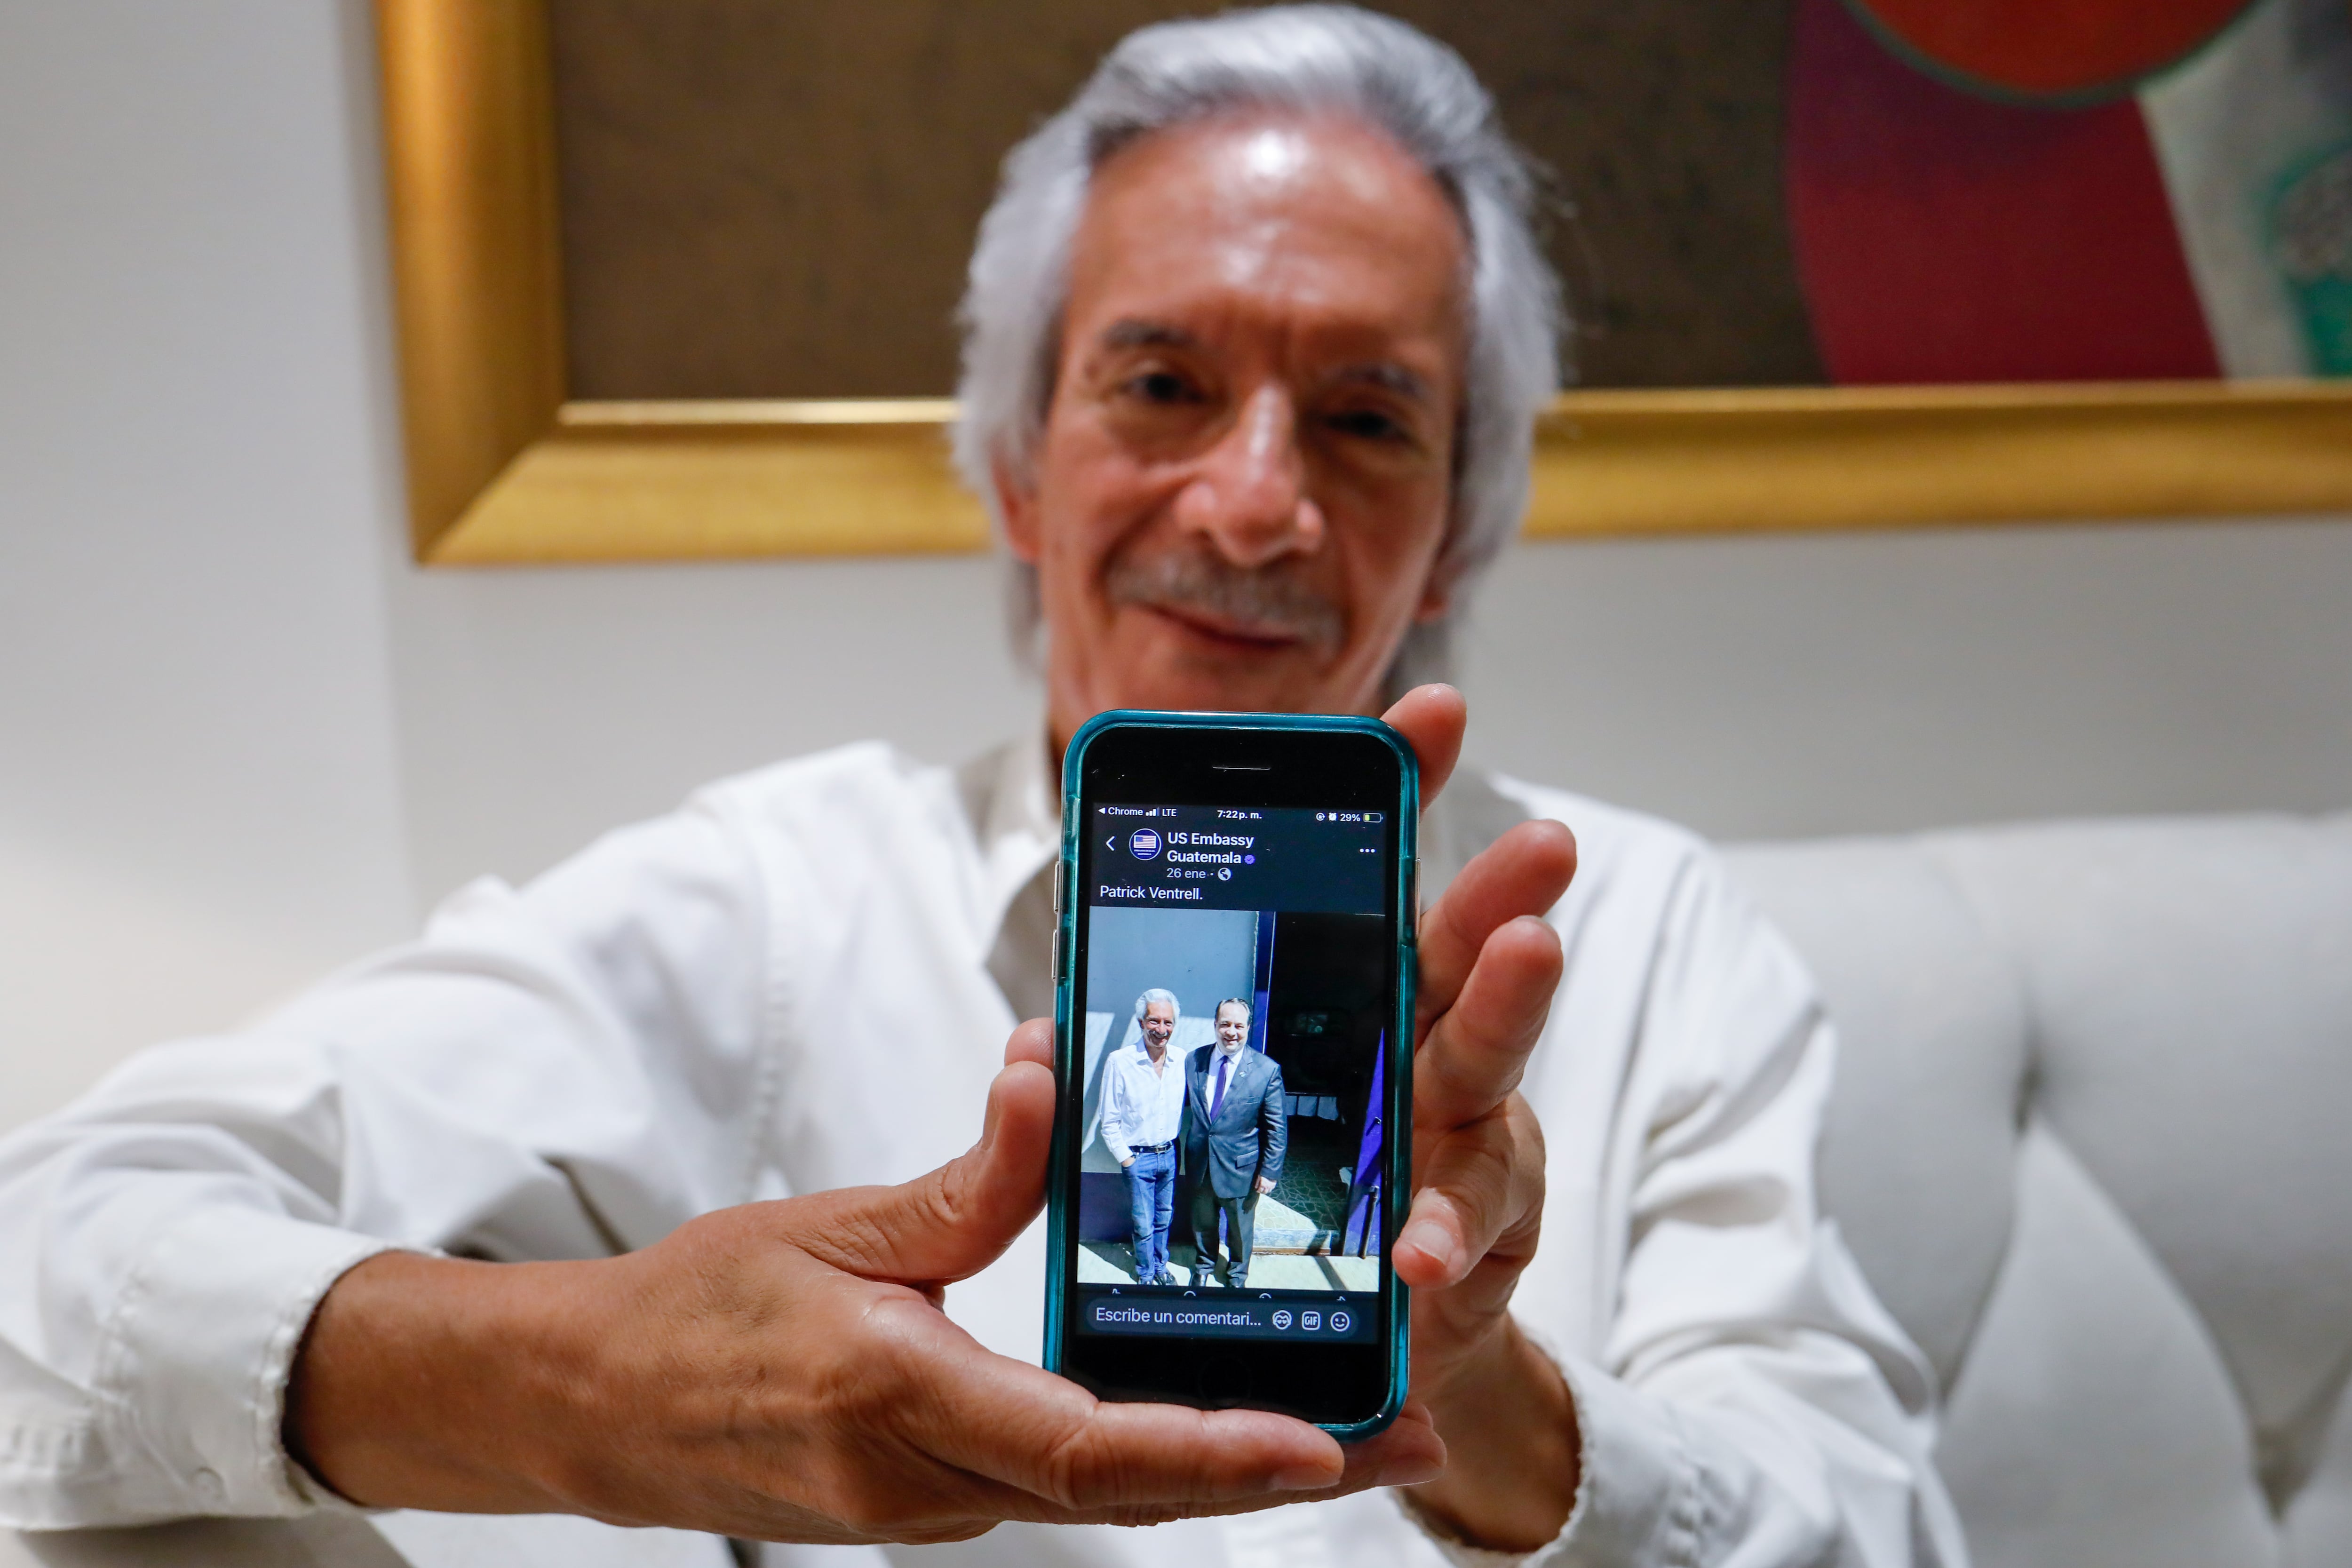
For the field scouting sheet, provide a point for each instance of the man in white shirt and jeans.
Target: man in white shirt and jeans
(636, 1192)
(1143, 1109)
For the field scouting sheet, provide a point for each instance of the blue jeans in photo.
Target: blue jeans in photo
(1151, 1205)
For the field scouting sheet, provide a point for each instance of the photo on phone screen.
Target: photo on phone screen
(1236, 1012)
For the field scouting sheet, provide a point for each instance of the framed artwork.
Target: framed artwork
(676, 277)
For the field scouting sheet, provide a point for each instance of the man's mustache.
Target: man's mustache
(1265, 600)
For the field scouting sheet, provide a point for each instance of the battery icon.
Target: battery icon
(1373, 817)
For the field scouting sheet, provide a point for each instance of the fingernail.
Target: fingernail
(1408, 1472)
(1433, 1241)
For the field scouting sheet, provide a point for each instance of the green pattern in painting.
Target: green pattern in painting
(2311, 241)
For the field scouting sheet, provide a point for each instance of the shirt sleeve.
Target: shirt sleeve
(570, 1070)
(1118, 1115)
(1273, 1126)
(1750, 1405)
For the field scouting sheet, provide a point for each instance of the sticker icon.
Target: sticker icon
(1341, 1323)
(1282, 1318)
(1310, 1319)
(1144, 843)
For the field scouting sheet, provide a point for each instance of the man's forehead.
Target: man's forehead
(1325, 153)
(1182, 243)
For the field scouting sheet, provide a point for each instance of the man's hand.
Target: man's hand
(1489, 966)
(780, 1370)
(1265, 1185)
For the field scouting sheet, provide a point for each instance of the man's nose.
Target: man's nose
(1249, 496)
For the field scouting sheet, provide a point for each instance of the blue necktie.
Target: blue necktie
(1217, 1098)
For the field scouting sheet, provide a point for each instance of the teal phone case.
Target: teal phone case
(1395, 1197)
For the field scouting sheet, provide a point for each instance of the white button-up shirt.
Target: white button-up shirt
(795, 983)
(1142, 1104)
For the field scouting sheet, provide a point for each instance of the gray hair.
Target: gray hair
(1295, 58)
(1156, 996)
(1241, 1002)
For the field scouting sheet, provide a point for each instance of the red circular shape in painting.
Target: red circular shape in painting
(2050, 48)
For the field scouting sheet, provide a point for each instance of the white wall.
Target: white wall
(1781, 687)
(241, 738)
(540, 707)
(198, 785)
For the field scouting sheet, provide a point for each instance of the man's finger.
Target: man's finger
(1475, 1053)
(953, 1222)
(1433, 719)
(1409, 1453)
(1524, 872)
(1476, 1184)
(1046, 1436)
(1031, 1042)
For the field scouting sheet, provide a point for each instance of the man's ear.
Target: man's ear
(1016, 503)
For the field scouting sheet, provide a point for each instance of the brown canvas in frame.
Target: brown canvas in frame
(507, 466)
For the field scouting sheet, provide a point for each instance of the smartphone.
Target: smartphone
(1233, 963)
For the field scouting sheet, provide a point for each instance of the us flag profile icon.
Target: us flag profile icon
(1143, 843)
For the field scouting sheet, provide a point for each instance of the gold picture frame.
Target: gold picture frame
(504, 469)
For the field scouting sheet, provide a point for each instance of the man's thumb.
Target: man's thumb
(952, 1221)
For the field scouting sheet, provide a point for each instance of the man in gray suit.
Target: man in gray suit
(1235, 1131)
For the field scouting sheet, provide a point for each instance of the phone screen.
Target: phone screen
(1230, 1124)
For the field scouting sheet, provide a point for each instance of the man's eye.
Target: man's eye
(1160, 386)
(1368, 425)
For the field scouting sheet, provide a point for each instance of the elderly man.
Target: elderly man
(1142, 1113)
(609, 1196)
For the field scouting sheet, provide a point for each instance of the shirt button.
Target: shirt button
(209, 1487)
